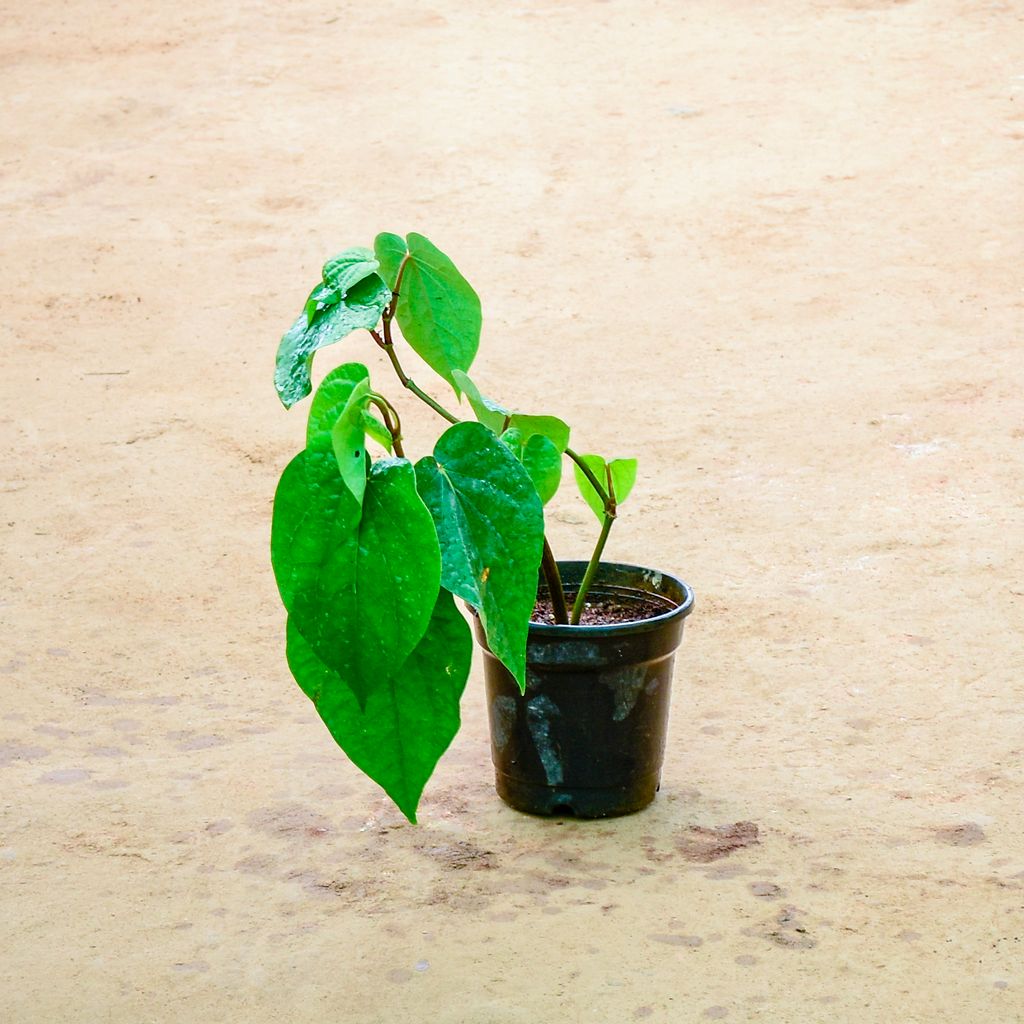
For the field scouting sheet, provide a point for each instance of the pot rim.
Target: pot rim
(566, 632)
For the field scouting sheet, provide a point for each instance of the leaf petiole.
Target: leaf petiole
(389, 414)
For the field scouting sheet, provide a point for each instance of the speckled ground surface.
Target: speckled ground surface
(772, 249)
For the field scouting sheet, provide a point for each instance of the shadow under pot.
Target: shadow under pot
(588, 736)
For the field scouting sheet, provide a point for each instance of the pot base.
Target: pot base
(577, 803)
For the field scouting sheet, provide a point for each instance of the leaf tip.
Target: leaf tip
(408, 804)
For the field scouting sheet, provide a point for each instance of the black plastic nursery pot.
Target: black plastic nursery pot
(588, 736)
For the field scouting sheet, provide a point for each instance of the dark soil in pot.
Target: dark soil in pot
(588, 737)
(604, 609)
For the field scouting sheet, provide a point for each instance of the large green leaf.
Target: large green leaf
(359, 588)
(408, 722)
(437, 310)
(496, 416)
(361, 307)
(623, 476)
(490, 525)
(314, 512)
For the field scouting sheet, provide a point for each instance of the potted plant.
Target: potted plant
(371, 551)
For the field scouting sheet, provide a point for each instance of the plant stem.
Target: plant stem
(388, 345)
(588, 577)
(553, 578)
(409, 383)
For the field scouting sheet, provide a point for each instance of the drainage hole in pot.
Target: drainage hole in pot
(564, 809)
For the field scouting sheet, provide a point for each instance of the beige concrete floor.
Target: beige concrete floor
(773, 249)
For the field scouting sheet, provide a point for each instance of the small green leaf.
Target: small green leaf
(360, 589)
(437, 310)
(551, 427)
(339, 275)
(623, 473)
(319, 299)
(347, 269)
(490, 525)
(377, 430)
(348, 440)
(408, 723)
(514, 439)
(336, 422)
(329, 401)
(540, 458)
(623, 476)
(489, 413)
(361, 308)
(543, 461)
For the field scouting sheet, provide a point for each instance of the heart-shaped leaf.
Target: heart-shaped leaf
(359, 588)
(437, 310)
(623, 476)
(409, 721)
(361, 307)
(490, 525)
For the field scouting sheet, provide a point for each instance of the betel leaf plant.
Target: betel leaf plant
(371, 550)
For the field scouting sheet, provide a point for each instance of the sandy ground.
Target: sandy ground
(771, 248)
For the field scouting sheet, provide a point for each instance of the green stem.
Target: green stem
(388, 345)
(553, 578)
(588, 577)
